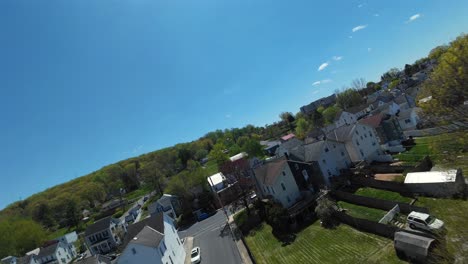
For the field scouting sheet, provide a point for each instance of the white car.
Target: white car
(196, 255)
(424, 221)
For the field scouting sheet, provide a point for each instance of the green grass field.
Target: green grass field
(318, 245)
(362, 211)
(446, 151)
(382, 194)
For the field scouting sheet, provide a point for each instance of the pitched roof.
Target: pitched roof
(356, 109)
(148, 237)
(96, 259)
(290, 144)
(342, 133)
(406, 113)
(401, 99)
(99, 225)
(48, 250)
(156, 222)
(269, 172)
(25, 260)
(373, 121)
(288, 137)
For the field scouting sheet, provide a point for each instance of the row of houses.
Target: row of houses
(58, 251)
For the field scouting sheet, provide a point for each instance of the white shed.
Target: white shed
(436, 183)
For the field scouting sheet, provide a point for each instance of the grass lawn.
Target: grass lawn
(446, 150)
(211, 168)
(362, 211)
(382, 194)
(453, 213)
(58, 233)
(318, 245)
(138, 193)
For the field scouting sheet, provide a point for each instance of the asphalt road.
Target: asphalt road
(214, 239)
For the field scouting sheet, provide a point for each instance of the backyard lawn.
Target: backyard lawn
(446, 150)
(382, 194)
(362, 211)
(318, 245)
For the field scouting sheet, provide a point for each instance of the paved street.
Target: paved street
(214, 239)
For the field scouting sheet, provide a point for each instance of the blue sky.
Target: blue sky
(88, 83)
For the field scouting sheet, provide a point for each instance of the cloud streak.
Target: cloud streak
(323, 66)
(360, 27)
(321, 82)
(414, 17)
(337, 58)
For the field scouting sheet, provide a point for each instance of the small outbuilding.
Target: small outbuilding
(436, 183)
(412, 246)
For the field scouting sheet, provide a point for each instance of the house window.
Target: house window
(173, 230)
(171, 260)
(173, 254)
(364, 127)
(357, 142)
(324, 161)
(178, 241)
(273, 190)
(362, 138)
(370, 134)
(373, 143)
(365, 135)
(334, 146)
(407, 121)
(326, 149)
(305, 174)
(161, 250)
(362, 153)
(289, 200)
(329, 173)
(296, 166)
(282, 186)
(357, 133)
(134, 251)
(342, 153)
(284, 173)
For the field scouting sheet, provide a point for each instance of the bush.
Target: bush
(277, 217)
(325, 210)
(241, 218)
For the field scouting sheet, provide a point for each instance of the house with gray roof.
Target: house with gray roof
(409, 118)
(104, 235)
(330, 156)
(287, 181)
(285, 147)
(360, 142)
(27, 259)
(152, 240)
(96, 259)
(168, 203)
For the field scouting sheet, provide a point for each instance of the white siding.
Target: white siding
(291, 193)
(364, 144)
(333, 160)
(175, 248)
(346, 118)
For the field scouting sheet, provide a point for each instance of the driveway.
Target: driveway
(140, 201)
(214, 239)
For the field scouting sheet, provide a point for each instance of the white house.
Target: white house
(27, 259)
(409, 118)
(168, 204)
(331, 156)
(56, 252)
(360, 142)
(69, 242)
(103, 236)
(153, 240)
(217, 181)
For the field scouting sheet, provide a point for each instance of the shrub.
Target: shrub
(118, 214)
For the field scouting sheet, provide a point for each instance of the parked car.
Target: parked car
(196, 255)
(424, 221)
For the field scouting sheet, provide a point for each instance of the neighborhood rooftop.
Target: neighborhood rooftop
(155, 222)
(270, 171)
(216, 179)
(99, 225)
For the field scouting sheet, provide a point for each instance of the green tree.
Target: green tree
(348, 98)
(253, 148)
(447, 83)
(218, 154)
(325, 209)
(302, 127)
(72, 213)
(330, 113)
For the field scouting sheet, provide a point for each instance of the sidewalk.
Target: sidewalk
(188, 244)
(240, 245)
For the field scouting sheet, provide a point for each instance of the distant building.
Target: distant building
(325, 102)
(409, 118)
(168, 204)
(56, 252)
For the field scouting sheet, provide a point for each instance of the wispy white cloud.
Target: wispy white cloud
(337, 58)
(323, 66)
(360, 27)
(376, 15)
(350, 37)
(321, 82)
(413, 17)
(315, 92)
(369, 49)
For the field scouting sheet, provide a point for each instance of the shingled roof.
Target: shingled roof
(269, 172)
(96, 259)
(155, 222)
(99, 225)
(48, 250)
(341, 134)
(148, 237)
(373, 121)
